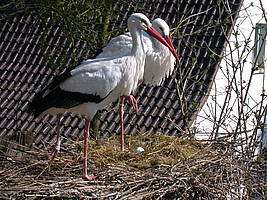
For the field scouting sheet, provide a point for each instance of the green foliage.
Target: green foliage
(78, 19)
(85, 20)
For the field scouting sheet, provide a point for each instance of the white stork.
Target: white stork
(159, 63)
(96, 83)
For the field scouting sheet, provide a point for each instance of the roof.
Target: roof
(26, 60)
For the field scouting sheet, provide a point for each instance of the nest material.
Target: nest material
(170, 168)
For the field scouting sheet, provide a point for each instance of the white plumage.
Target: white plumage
(104, 78)
(160, 61)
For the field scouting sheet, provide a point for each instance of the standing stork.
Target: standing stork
(96, 83)
(159, 62)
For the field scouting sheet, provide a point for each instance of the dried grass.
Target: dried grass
(169, 168)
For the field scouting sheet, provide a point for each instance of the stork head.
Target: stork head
(163, 28)
(140, 21)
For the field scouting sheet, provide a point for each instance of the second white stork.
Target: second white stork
(159, 62)
(96, 83)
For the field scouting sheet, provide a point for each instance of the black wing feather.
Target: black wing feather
(54, 96)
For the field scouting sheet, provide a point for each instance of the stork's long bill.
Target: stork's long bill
(168, 43)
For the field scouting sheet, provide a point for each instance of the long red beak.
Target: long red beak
(168, 43)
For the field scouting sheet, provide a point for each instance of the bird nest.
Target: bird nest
(169, 168)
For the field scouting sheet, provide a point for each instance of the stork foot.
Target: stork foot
(89, 178)
(132, 101)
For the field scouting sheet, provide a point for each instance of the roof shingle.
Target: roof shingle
(28, 50)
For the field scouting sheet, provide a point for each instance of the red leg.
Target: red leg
(85, 151)
(121, 122)
(133, 102)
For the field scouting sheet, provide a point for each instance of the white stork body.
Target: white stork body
(159, 62)
(107, 78)
(96, 83)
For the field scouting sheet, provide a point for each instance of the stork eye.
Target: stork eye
(161, 29)
(144, 21)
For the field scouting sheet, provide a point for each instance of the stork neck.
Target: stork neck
(137, 48)
(157, 45)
